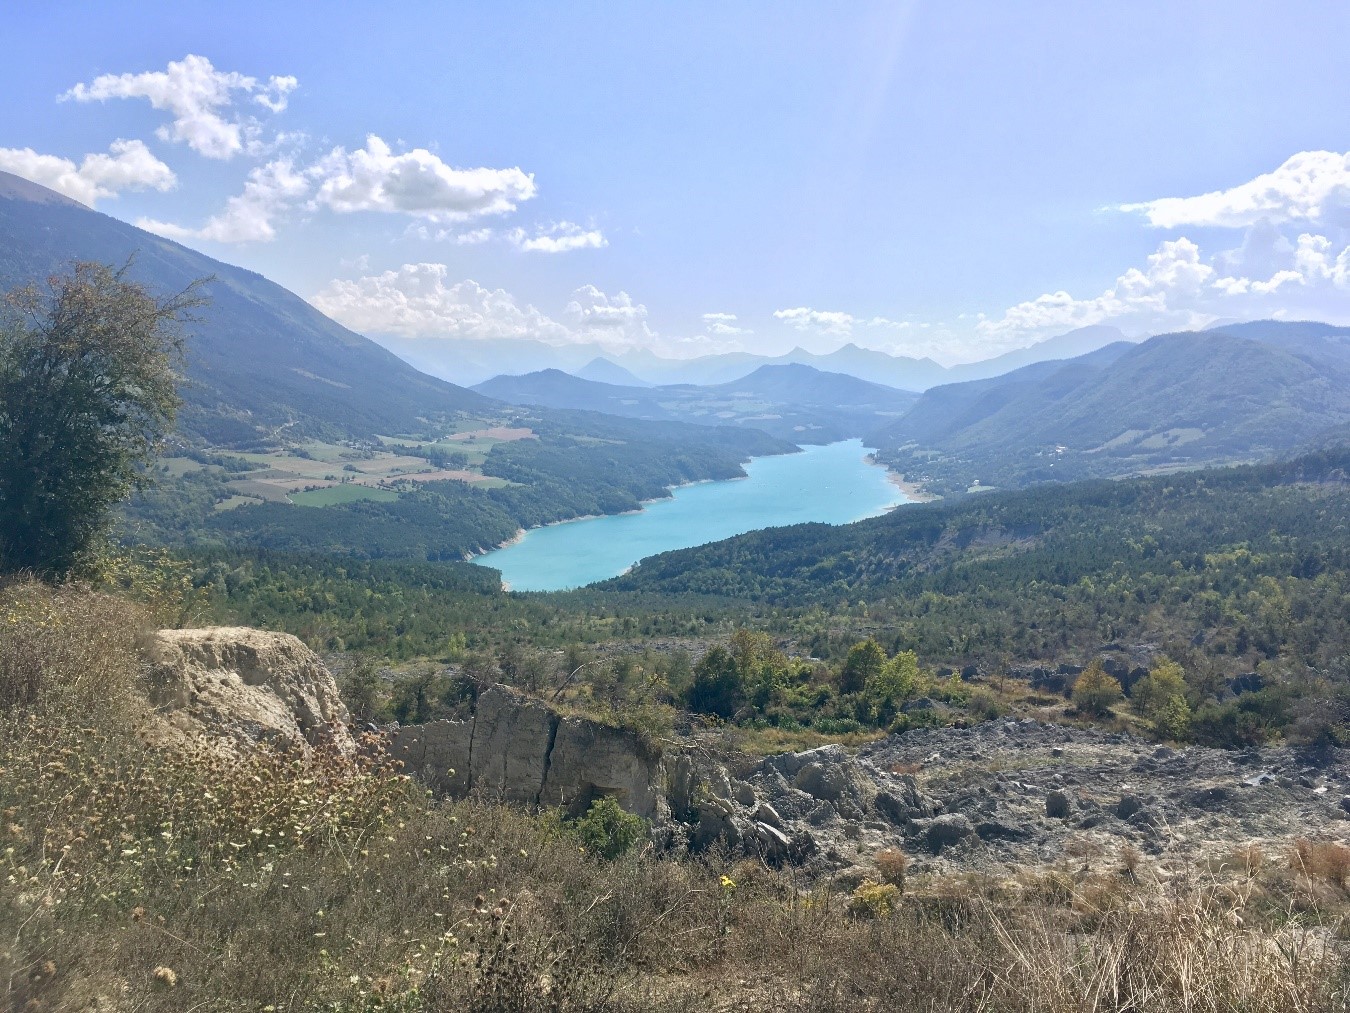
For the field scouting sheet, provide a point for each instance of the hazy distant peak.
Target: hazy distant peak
(606, 370)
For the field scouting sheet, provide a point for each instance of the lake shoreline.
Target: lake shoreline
(520, 534)
(835, 483)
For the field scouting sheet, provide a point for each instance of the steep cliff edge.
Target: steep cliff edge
(517, 749)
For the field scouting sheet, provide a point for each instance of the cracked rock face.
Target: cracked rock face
(516, 749)
(234, 687)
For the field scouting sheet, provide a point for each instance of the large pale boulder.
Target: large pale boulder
(234, 687)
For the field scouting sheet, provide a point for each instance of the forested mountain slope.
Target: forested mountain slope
(1245, 392)
(260, 357)
(1256, 557)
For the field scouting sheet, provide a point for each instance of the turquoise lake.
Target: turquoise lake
(834, 484)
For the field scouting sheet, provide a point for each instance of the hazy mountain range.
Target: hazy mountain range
(792, 401)
(264, 363)
(471, 361)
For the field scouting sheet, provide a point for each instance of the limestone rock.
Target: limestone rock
(234, 687)
(944, 831)
(510, 747)
(590, 760)
(1057, 804)
(437, 753)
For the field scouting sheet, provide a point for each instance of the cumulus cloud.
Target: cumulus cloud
(248, 217)
(561, 237)
(199, 99)
(419, 301)
(415, 301)
(1311, 187)
(415, 182)
(1178, 288)
(593, 308)
(127, 165)
(830, 322)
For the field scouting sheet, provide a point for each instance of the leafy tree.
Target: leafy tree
(717, 687)
(865, 662)
(87, 391)
(1095, 691)
(1172, 718)
(1166, 679)
(897, 680)
(1161, 697)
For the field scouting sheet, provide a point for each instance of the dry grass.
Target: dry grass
(65, 649)
(131, 879)
(1328, 861)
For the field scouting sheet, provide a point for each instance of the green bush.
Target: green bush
(874, 900)
(607, 830)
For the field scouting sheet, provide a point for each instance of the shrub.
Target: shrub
(874, 900)
(891, 866)
(866, 661)
(607, 830)
(717, 688)
(1095, 691)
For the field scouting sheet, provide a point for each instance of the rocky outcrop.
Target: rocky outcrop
(516, 749)
(998, 795)
(233, 687)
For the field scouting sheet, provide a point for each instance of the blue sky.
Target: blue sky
(944, 179)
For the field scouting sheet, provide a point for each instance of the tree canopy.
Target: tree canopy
(88, 388)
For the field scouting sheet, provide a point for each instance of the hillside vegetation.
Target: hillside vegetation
(157, 880)
(1242, 393)
(572, 464)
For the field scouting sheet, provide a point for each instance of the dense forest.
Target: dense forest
(1239, 576)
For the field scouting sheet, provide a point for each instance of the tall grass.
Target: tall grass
(135, 879)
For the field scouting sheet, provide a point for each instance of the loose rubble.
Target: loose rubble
(998, 795)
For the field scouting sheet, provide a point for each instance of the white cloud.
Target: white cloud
(591, 307)
(248, 217)
(418, 301)
(830, 322)
(1179, 289)
(561, 237)
(415, 301)
(1311, 186)
(471, 238)
(372, 179)
(415, 182)
(128, 165)
(198, 98)
(723, 325)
